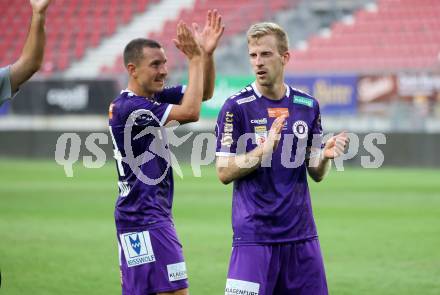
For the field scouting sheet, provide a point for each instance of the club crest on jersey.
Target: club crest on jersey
(137, 248)
(300, 129)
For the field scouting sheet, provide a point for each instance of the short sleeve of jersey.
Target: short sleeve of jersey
(171, 95)
(5, 84)
(146, 112)
(228, 129)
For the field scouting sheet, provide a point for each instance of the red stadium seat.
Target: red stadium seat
(396, 37)
(400, 36)
(71, 27)
(235, 14)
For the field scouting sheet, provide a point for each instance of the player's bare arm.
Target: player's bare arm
(235, 167)
(319, 165)
(31, 57)
(208, 39)
(189, 109)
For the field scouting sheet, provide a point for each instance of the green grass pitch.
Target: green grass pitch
(379, 230)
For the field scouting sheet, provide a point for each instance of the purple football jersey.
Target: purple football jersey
(271, 204)
(145, 179)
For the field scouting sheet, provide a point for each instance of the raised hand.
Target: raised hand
(335, 146)
(210, 35)
(274, 135)
(39, 6)
(186, 41)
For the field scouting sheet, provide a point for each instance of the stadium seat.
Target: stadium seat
(237, 15)
(72, 26)
(395, 37)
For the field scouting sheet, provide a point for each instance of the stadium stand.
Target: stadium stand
(392, 35)
(77, 27)
(72, 27)
(300, 19)
(235, 14)
(101, 59)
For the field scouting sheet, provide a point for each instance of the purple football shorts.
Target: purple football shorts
(294, 268)
(151, 261)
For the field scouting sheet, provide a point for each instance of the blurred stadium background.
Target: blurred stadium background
(373, 65)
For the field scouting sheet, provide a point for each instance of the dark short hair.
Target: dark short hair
(133, 51)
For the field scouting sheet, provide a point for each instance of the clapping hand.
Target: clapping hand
(210, 35)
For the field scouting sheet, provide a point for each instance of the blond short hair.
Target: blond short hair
(259, 30)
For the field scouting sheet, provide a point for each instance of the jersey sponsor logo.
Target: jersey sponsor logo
(246, 99)
(137, 248)
(228, 128)
(239, 287)
(260, 134)
(177, 271)
(229, 117)
(259, 121)
(277, 112)
(227, 139)
(260, 129)
(300, 129)
(303, 100)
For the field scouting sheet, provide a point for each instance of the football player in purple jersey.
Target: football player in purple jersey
(269, 137)
(150, 254)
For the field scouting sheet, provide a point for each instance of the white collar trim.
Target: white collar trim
(130, 93)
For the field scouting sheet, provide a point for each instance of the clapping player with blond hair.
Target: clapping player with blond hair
(268, 140)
